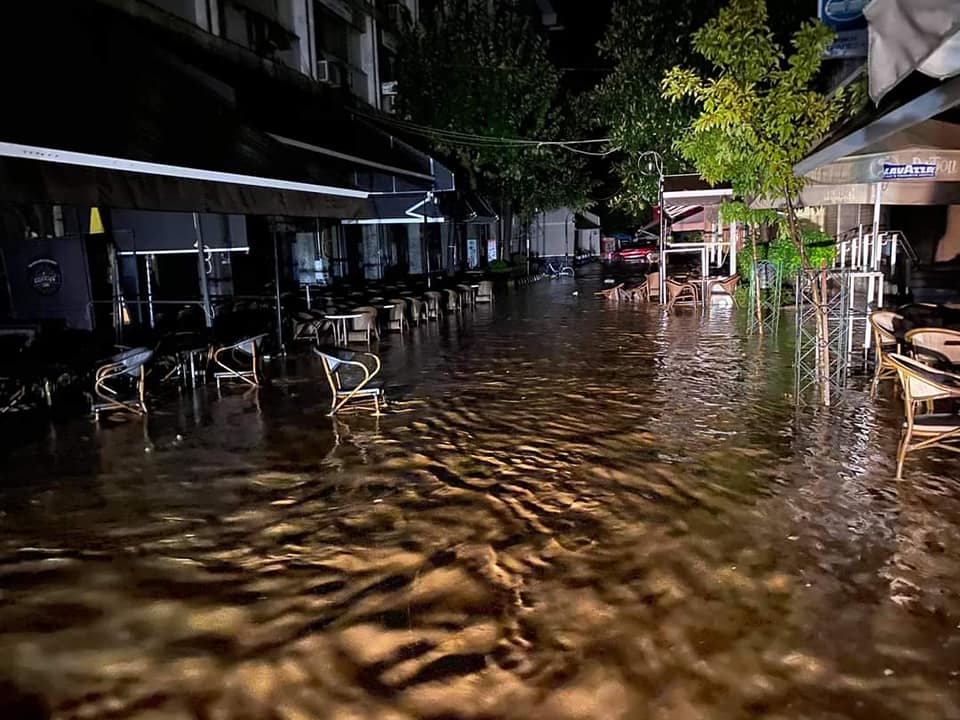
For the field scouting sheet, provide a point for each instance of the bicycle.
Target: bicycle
(562, 271)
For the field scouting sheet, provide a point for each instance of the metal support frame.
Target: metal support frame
(770, 302)
(807, 349)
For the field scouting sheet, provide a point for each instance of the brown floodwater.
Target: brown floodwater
(571, 510)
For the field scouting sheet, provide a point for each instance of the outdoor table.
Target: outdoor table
(340, 326)
(475, 290)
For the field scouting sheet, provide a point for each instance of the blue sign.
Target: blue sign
(845, 18)
(908, 171)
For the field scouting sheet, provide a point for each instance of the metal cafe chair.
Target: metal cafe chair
(884, 343)
(640, 293)
(351, 378)
(118, 383)
(239, 361)
(922, 386)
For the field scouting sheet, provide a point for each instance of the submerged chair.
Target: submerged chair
(653, 285)
(936, 346)
(350, 375)
(467, 298)
(239, 361)
(640, 293)
(485, 292)
(306, 326)
(615, 293)
(728, 287)
(884, 343)
(364, 327)
(398, 315)
(922, 386)
(680, 294)
(118, 384)
(432, 298)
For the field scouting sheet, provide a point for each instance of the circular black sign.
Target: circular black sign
(45, 276)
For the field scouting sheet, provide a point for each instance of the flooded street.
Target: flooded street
(570, 511)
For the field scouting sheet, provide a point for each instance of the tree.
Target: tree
(644, 39)
(477, 71)
(759, 115)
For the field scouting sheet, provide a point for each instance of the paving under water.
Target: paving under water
(571, 510)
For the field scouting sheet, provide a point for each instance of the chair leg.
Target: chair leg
(902, 453)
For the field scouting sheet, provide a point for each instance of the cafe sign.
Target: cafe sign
(908, 171)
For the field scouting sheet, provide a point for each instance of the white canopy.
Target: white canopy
(911, 35)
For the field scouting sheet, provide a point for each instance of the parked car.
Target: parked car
(637, 251)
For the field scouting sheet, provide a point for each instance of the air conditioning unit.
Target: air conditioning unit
(388, 88)
(389, 104)
(330, 72)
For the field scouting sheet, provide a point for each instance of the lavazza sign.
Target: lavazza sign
(905, 171)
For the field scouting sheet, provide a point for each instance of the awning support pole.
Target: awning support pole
(202, 271)
(733, 248)
(276, 290)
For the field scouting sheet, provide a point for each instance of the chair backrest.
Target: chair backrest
(399, 308)
(432, 297)
(335, 359)
(674, 288)
(653, 282)
(486, 288)
(130, 361)
(941, 340)
(922, 382)
(368, 317)
(882, 323)
(729, 285)
(250, 345)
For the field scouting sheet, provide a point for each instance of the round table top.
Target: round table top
(347, 316)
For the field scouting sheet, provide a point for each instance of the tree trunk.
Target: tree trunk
(818, 294)
(506, 230)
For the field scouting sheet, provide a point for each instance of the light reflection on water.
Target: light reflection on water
(572, 511)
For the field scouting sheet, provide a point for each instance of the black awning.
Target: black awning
(399, 208)
(125, 125)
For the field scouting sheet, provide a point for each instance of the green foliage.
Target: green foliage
(481, 68)
(759, 113)
(645, 38)
(782, 251)
(500, 266)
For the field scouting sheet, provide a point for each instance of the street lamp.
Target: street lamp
(652, 161)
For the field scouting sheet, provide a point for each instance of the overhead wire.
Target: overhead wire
(475, 140)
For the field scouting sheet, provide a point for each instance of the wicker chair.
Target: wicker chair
(418, 310)
(239, 361)
(432, 298)
(118, 384)
(884, 343)
(728, 286)
(615, 293)
(922, 386)
(350, 376)
(680, 294)
(936, 346)
(453, 300)
(653, 285)
(640, 293)
(485, 292)
(398, 315)
(364, 328)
